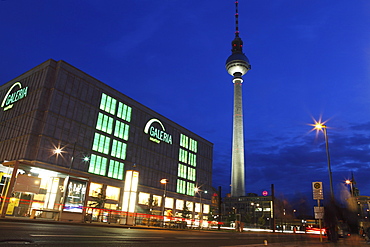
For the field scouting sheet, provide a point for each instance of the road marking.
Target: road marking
(245, 245)
(202, 238)
(91, 236)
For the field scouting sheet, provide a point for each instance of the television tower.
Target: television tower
(237, 65)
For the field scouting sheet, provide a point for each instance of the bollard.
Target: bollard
(265, 242)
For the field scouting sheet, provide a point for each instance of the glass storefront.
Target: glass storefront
(95, 189)
(75, 196)
(40, 193)
(112, 193)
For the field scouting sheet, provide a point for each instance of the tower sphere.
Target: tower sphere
(237, 63)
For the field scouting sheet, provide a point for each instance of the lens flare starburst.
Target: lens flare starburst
(318, 125)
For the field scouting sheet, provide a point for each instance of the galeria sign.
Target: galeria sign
(14, 94)
(157, 134)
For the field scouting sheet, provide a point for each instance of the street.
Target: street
(52, 234)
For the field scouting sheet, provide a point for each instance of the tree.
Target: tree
(261, 221)
(99, 203)
(247, 218)
(151, 204)
(185, 213)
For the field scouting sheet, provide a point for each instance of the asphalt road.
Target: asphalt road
(41, 234)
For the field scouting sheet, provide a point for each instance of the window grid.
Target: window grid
(103, 101)
(124, 112)
(191, 174)
(98, 165)
(181, 186)
(108, 104)
(121, 130)
(186, 169)
(193, 145)
(115, 169)
(101, 143)
(182, 171)
(183, 155)
(190, 188)
(184, 141)
(192, 159)
(104, 123)
(119, 149)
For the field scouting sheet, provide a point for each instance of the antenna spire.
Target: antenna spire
(237, 44)
(236, 19)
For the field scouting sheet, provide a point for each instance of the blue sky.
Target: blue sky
(309, 59)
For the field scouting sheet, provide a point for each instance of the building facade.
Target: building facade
(76, 138)
(254, 211)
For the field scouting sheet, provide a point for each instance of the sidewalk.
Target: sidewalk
(93, 223)
(352, 241)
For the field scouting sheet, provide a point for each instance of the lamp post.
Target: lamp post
(164, 181)
(59, 151)
(322, 127)
(198, 191)
(254, 213)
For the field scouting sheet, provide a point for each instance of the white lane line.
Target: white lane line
(248, 245)
(91, 236)
(202, 238)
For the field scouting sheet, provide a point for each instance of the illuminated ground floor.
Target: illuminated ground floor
(254, 211)
(35, 190)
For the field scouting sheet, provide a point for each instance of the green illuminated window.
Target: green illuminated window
(184, 141)
(104, 123)
(181, 186)
(121, 130)
(193, 145)
(192, 159)
(190, 188)
(191, 174)
(186, 169)
(115, 169)
(118, 149)
(182, 171)
(98, 165)
(108, 104)
(183, 155)
(124, 112)
(101, 143)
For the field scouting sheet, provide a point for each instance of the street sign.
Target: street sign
(319, 212)
(317, 191)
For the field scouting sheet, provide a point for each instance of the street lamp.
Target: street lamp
(319, 126)
(199, 192)
(58, 151)
(254, 214)
(351, 186)
(164, 181)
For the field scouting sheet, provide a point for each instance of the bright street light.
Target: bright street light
(163, 181)
(58, 151)
(349, 182)
(321, 126)
(197, 190)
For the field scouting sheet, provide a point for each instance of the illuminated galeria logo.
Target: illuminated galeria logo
(13, 96)
(156, 131)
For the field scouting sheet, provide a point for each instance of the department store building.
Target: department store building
(70, 143)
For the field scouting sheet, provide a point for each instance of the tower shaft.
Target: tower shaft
(237, 65)
(237, 169)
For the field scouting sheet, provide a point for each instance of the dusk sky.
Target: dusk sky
(310, 59)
